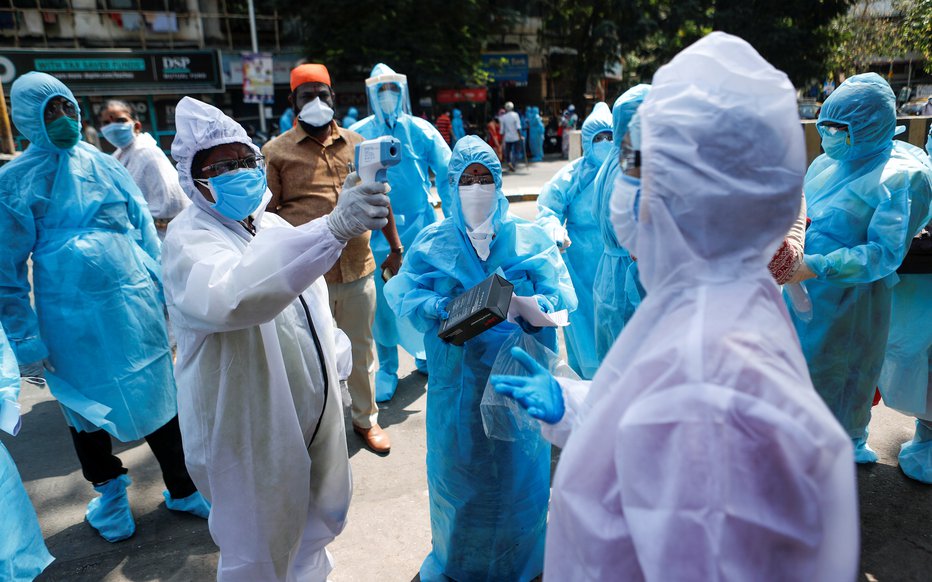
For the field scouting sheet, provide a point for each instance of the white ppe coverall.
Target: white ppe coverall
(700, 450)
(258, 390)
(154, 174)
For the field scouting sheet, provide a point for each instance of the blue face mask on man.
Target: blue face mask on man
(64, 132)
(239, 193)
(119, 134)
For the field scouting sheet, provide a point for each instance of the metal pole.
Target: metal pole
(255, 49)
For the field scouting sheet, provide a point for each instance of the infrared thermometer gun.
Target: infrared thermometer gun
(375, 156)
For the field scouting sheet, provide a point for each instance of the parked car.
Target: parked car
(913, 106)
(809, 108)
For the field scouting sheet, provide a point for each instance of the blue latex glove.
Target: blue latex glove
(439, 309)
(544, 303)
(539, 393)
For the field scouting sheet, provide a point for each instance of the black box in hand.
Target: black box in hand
(478, 309)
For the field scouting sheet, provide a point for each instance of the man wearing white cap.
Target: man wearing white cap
(258, 387)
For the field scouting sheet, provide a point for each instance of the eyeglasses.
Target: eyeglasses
(224, 166)
(61, 104)
(603, 136)
(833, 128)
(471, 179)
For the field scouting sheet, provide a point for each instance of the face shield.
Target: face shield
(388, 97)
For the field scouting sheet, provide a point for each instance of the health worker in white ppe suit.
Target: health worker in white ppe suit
(258, 386)
(700, 450)
(145, 161)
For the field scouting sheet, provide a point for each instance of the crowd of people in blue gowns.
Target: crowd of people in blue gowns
(732, 311)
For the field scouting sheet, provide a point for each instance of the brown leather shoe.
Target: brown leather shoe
(375, 438)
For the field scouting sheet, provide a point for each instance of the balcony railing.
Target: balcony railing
(127, 23)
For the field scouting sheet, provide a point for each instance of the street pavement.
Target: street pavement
(388, 533)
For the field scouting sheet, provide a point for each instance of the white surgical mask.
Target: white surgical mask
(388, 101)
(316, 113)
(481, 238)
(623, 211)
(476, 200)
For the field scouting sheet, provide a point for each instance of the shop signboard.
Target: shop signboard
(119, 72)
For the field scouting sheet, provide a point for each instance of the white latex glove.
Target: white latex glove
(562, 238)
(34, 372)
(359, 208)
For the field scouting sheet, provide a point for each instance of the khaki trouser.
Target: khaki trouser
(353, 307)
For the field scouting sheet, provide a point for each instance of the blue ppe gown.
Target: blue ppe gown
(865, 209)
(99, 307)
(569, 198)
(906, 376)
(23, 554)
(424, 150)
(609, 292)
(488, 498)
(536, 135)
(459, 131)
(286, 121)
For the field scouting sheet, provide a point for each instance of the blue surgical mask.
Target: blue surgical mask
(239, 193)
(601, 150)
(836, 145)
(64, 132)
(623, 210)
(120, 134)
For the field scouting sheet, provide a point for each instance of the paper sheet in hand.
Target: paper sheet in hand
(528, 308)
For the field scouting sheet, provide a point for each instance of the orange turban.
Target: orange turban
(312, 73)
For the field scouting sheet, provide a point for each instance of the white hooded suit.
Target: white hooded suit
(259, 399)
(700, 450)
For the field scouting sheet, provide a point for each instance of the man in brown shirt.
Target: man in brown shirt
(307, 166)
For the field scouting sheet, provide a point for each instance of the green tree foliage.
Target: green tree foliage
(430, 41)
(916, 28)
(864, 34)
(599, 32)
(795, 35)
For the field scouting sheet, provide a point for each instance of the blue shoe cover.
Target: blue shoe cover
(110, 514)
(421, 364)
(385, 386)
(195, 504)
(863, 454)
(916, 455)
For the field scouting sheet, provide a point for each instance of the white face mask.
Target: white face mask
(623, 211)
(316, 113)
(476, 200)
(388, 101)
(481, 238)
